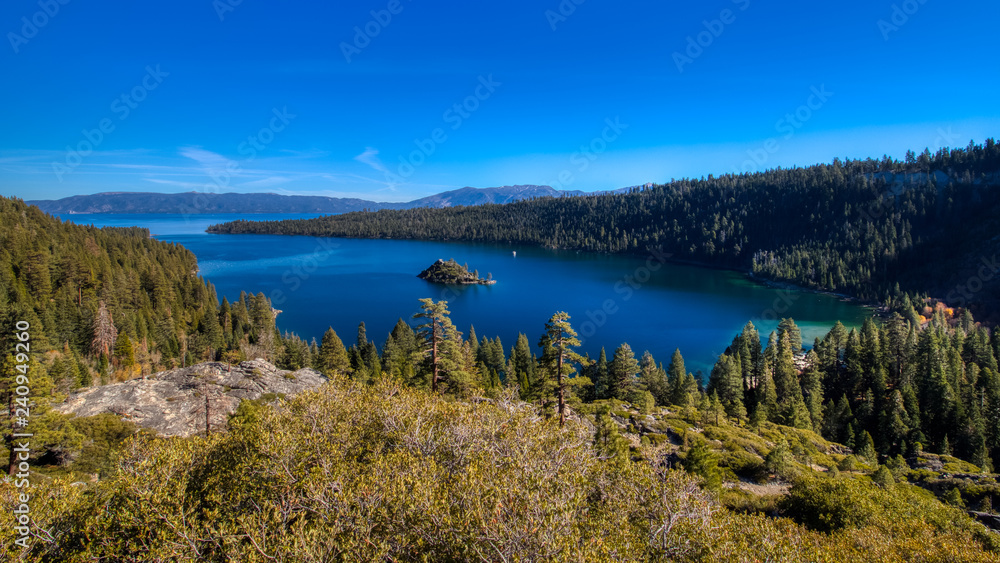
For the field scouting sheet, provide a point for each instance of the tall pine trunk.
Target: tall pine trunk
(562, 399)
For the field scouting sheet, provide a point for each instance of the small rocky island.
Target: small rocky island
(453, 273)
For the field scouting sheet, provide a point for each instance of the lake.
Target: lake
(651, 304)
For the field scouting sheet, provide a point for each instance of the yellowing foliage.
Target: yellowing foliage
(353, 472)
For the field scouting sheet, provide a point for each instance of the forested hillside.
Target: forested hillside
(106, 305)
(114, 294)
(927, 224)
(890, 389)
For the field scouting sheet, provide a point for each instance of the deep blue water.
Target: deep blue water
(655, 306)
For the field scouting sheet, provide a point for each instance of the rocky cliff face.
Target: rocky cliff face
(172, 403)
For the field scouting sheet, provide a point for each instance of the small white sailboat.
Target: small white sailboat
(515, 254)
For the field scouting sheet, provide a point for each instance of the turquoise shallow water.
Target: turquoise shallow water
(655, 306)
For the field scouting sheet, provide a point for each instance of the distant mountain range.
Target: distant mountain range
(203, 203)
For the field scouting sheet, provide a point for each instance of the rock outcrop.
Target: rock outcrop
(172, 403)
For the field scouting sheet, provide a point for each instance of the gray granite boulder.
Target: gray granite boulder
(172, 403)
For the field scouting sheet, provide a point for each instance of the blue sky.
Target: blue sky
(255, 96)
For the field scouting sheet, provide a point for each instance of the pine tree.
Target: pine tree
(608, 442)
(766, 392)
(558, 342)
(262, 328)
(226, 322)
(332, 355)
(622, 372)
(399, 348)
(747, 349)
(440, 343)
(717, 410)
(364, 356)
(601, 377)
(104, 332)
(867, 449)
(46, 426)
(702, 461)
(682, 384)
(812, 389)
(523, 367)
(726, 381)
(791, 406)
(788, 327)
(654, 379)
(124, 352)
(473, 339)
(895, 425)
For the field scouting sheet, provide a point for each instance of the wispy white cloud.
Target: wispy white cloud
(213, 164)
(370, 157)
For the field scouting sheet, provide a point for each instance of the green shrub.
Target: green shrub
(656, 439)
(357, 472)
(849, 463)
(739, 500)
(104, 435)
(742, 463)
(954, 498)
(700, 460)
(779, 461)
(955, 465)
(835, 504)
(883, 477)
(918, 475)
